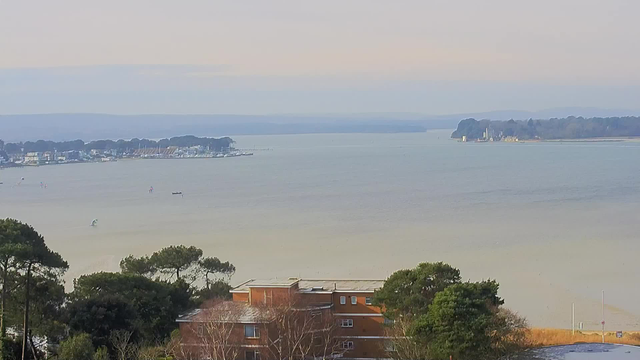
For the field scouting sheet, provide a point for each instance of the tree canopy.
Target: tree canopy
(139, 266)
(46, 306)
(411, 291)
(122, 146)
(437, 316)
(28, 262)
(77, 347)
(460, 321)
(130, 302)
(176, 260)
(213, 265)
(13, 243)
(565, 128)
(156, 304)
(99, 315)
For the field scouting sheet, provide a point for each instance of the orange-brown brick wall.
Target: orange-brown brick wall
(367, 348)
(316, 298)
(274, 296)
(191, 339)
(241, 297)
(363, 326)
(359, 308)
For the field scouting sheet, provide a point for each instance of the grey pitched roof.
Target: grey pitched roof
(228, 311)
(314, 284)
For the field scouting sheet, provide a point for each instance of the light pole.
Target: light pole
(603, 316)
(573, 319)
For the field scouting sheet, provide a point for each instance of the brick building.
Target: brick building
(338, 313)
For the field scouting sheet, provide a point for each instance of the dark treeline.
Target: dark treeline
(120, 145)
(139, 304)
(566, 128)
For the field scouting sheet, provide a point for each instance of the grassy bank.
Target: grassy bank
(549, 337)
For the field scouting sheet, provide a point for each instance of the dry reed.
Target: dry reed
(538, 337)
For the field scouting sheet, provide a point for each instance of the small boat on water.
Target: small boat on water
(94, 222)
(176, 193)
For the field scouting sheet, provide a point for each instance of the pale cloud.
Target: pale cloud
(325, 47)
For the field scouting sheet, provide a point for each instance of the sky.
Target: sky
(257, 57)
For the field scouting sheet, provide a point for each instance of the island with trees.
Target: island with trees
(43, 152)
(552, 129)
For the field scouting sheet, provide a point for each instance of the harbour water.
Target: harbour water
(554, 223)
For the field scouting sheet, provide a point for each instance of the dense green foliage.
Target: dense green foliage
(102, 353)
(151, 306)
(176, 260)
(179, 262)
(460, 322)
(29, 268)
(122, 146)
(77, 347)
(437, 316)
(46, 306)
(410, 292)
(212, 266)
(102, 306)
(139, 266)
(215, 290)
(135, 302)
(566, 128)
(12, 243)
(11, 349)
(98, 316)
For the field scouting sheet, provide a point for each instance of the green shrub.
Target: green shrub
(78, 347)
(101, 354)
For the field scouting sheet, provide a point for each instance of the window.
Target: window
(347, 345)
(354, 300)
(346, 323)
(251, 355)
(251, 331)
(200, 329)
(368, 300)
(343, 300)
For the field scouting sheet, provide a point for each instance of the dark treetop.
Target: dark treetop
(122, 146)
(566, 128)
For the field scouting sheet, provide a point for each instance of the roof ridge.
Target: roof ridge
(310, 279)
(244, 283)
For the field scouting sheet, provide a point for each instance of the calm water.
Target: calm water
(553, 223)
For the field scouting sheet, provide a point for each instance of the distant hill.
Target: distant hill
(585, 112)
(63, 127)
(565, 128)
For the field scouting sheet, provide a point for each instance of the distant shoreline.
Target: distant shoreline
(20, 166)
(561, 130)
(585, 140)
(600, 139)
